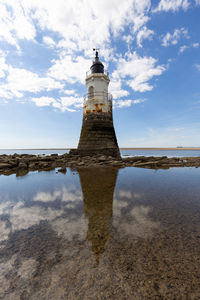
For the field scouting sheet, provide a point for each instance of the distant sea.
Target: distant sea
(124, 152)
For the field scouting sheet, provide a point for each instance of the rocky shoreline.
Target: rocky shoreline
(21, 164)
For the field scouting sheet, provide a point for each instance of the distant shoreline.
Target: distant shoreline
(122, 148)
(167, 148)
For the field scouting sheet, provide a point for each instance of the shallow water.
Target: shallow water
(124, 153)
(100, 234)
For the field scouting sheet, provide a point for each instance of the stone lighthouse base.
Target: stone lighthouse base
(97, 136)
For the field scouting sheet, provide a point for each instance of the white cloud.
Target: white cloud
(115, 88)
(140, 20)
(197, 66)
(77, 22)
(173, 5)
(195, 45)
(69, 92)
(197, 2)
(138, 71)
(43, 101)
(128, 38)
(172, 39)
(66, 103)
(128, 103)
(3, 102)
(3, 64)
(70, 69)
(21, 80)
(15, 23)
(183, 48)
(24, 80)
(143, 34)
(48, 41)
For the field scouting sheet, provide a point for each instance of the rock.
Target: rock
(102, 158)
(116, 163)
(42, 165)
(73, 162)
(81, 163)
(5, 166)
(21, 172)
(62, 170)
(22, 165)
(47, 158)
(32, 166)
(13, 163)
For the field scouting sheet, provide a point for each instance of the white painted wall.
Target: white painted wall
(99, 101)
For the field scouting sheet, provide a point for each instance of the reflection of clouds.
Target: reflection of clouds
(27, 268)
(8, 269)
(5, 269)
(4, 207)
(71, 227)
(4, 231)
(19, 216)
(47, 197)
(123, 198)
(130, 218)
(125, 194)
(24, 217)
(129, 195)
(69, 194)
(117, 206)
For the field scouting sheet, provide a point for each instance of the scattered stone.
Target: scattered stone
(5, 165)
(21, 164)
(62, 170)
(81, 163)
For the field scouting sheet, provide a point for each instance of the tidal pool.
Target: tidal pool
(100, 233)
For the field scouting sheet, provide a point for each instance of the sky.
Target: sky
(150, 48)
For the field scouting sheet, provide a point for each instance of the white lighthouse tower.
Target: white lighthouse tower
(97, 133)
(98, 99)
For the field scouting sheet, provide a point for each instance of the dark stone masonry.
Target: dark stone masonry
(97, 136)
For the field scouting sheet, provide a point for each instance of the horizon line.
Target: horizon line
(121, 148)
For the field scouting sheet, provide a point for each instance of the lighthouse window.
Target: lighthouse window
(90, 92)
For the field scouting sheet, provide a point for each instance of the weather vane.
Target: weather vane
(96, 49)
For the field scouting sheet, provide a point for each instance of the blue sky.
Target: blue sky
(150, 48)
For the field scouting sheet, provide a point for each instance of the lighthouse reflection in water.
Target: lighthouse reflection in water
(98, 188)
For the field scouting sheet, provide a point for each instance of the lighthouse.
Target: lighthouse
(97, 133)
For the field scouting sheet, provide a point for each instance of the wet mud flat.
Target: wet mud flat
(100, 233)
(21, 164)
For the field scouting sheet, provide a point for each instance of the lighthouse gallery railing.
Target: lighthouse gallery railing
(88, 73)
(98, 96)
